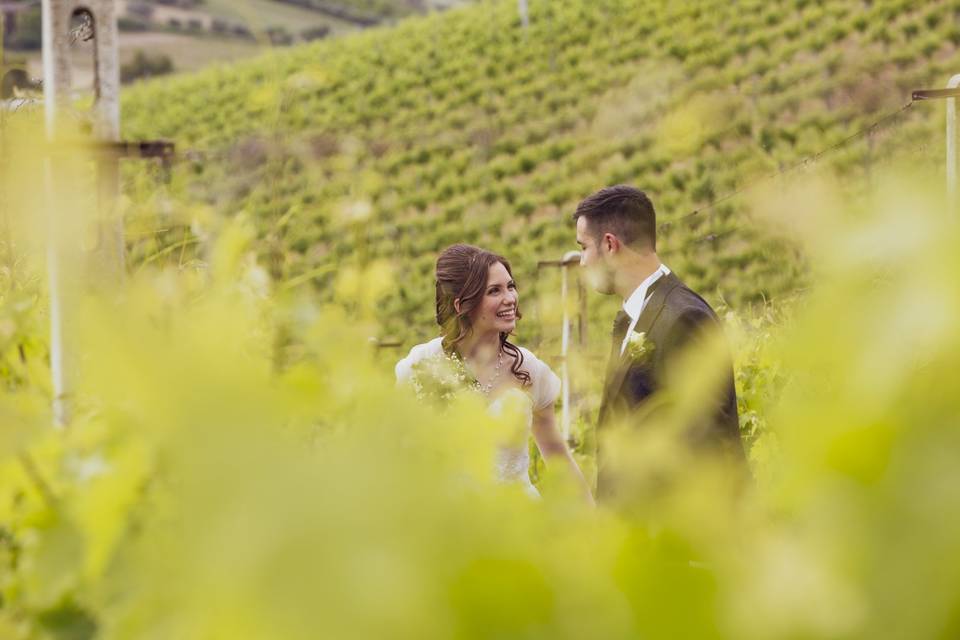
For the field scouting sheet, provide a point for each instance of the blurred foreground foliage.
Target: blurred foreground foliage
(240, 465)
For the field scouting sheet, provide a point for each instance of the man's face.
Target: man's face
(594, 259)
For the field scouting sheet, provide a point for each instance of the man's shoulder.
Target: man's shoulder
(683, 303)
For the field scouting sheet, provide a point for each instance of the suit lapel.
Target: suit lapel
(648, 316)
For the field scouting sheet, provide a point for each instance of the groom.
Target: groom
(659, 320)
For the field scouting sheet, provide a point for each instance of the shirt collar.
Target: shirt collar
(634, 304)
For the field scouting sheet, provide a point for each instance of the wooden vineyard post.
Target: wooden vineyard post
(950, 94)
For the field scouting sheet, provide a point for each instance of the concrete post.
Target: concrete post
(57, 16)
(64, 220)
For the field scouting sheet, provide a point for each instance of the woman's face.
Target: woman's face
(497, 310)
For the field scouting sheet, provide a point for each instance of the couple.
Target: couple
(478, 309)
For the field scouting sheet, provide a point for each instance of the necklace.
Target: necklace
(485, 389)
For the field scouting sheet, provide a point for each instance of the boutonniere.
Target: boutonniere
(638, 347)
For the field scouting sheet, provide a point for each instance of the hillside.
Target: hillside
(460, 126)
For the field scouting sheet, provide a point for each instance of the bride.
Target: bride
(477, 309)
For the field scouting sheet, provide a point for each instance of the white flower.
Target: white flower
(440, 378)
(638, 347)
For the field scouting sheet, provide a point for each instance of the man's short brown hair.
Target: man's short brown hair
(624, 211)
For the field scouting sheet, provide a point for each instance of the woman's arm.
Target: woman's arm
(552, 447)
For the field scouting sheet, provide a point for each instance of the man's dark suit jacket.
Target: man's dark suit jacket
(673, 317)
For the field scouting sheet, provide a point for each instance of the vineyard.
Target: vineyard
(238, 461)
(461, 126)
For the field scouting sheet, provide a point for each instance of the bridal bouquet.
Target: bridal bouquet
(439, 379)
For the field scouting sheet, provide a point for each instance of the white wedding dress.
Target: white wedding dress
(513, 462)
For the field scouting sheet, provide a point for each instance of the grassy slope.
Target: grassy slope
(460, 127)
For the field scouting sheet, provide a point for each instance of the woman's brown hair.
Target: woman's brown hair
(462, 272)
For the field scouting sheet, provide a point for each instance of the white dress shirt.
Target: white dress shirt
(633, 306)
